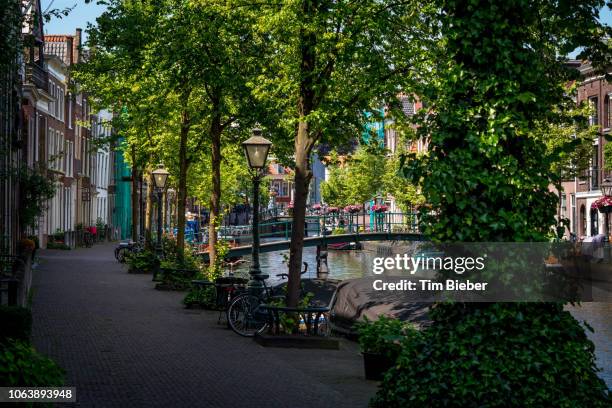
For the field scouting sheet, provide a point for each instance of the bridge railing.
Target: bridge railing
(318, 225)
(339, 223)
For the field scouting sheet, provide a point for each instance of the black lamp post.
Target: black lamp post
(160, 176)
(606, 189)
(256, 150)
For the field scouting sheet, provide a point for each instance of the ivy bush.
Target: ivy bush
(21, 365)
(58, 245)
(205, 297)
(509, 361)
(496, 72)
(16, 323)
(385, 336)
(145, 261)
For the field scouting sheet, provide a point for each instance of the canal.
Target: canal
(355, 264)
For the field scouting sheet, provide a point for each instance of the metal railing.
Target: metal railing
(316, 225)
(37, 76)
(333, 223)
(594, 177)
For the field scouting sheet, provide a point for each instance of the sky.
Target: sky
(84, 13)
(78, 17)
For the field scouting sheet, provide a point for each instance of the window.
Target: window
(62, 106)
(594, 118)
(595, 168)
(69, 111)
(52, 94)
(573, 212)
(31, 140)
(606, 112)
(57, 102)
(407, 106)
(563, 205)
(50, 147)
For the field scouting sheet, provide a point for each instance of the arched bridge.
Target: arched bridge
(325, 240)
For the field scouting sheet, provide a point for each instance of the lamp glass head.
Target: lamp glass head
(160, 176)
(256, 150)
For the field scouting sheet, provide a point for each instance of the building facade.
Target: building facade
(579, 194)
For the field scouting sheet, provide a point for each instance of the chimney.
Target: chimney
(77, 46)
(69, 58)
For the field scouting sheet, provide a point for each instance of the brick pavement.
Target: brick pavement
(124, 344)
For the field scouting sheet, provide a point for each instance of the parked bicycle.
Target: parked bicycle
(247, 317)
(88, 239)
(128, 247)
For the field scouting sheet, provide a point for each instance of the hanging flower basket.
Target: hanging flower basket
(352, 209)
(332, 209)
(316, 207)
(379, 208)
(603, 204)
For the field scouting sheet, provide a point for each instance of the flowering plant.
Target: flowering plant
(353, 208)
(604, 203)
(332, 209)
(316, 206)
(379, 208)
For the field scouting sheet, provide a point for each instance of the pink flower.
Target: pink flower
(604, 201)
(379, 208)
(353, 208)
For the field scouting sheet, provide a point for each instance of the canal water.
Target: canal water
(357, 264)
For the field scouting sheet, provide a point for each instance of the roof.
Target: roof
(59, 45)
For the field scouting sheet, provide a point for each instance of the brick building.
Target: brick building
(580, 193)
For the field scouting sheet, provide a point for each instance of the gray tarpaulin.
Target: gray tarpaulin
(355, 300)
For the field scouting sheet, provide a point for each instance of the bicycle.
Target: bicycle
(245, 315)
(127, 247)
(88, 240)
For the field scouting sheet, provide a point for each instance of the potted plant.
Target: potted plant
(379, 208)
(380, 342)
(352, 209)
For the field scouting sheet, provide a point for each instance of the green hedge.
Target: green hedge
(15, 323)
(21, 365)
(497, 355)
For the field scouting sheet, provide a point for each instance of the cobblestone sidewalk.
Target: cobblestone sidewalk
(124, 344)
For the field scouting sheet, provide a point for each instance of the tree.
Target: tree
(501, 74)
(189, 67)
(327, 63)
(355, 180)
(406, 194)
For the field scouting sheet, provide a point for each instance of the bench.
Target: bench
(311, 314)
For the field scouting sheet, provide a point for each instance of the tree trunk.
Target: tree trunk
(182, 185)
(134, 196)
(215, 197)
(303, 147)
(149, 211)
(303, 175)
(164, 218)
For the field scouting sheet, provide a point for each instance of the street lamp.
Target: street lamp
(160, 176)
(606, 187)
(256, 150)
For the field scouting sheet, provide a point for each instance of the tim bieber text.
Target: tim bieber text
(429, 285)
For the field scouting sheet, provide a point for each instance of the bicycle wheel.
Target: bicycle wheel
(242, 315)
